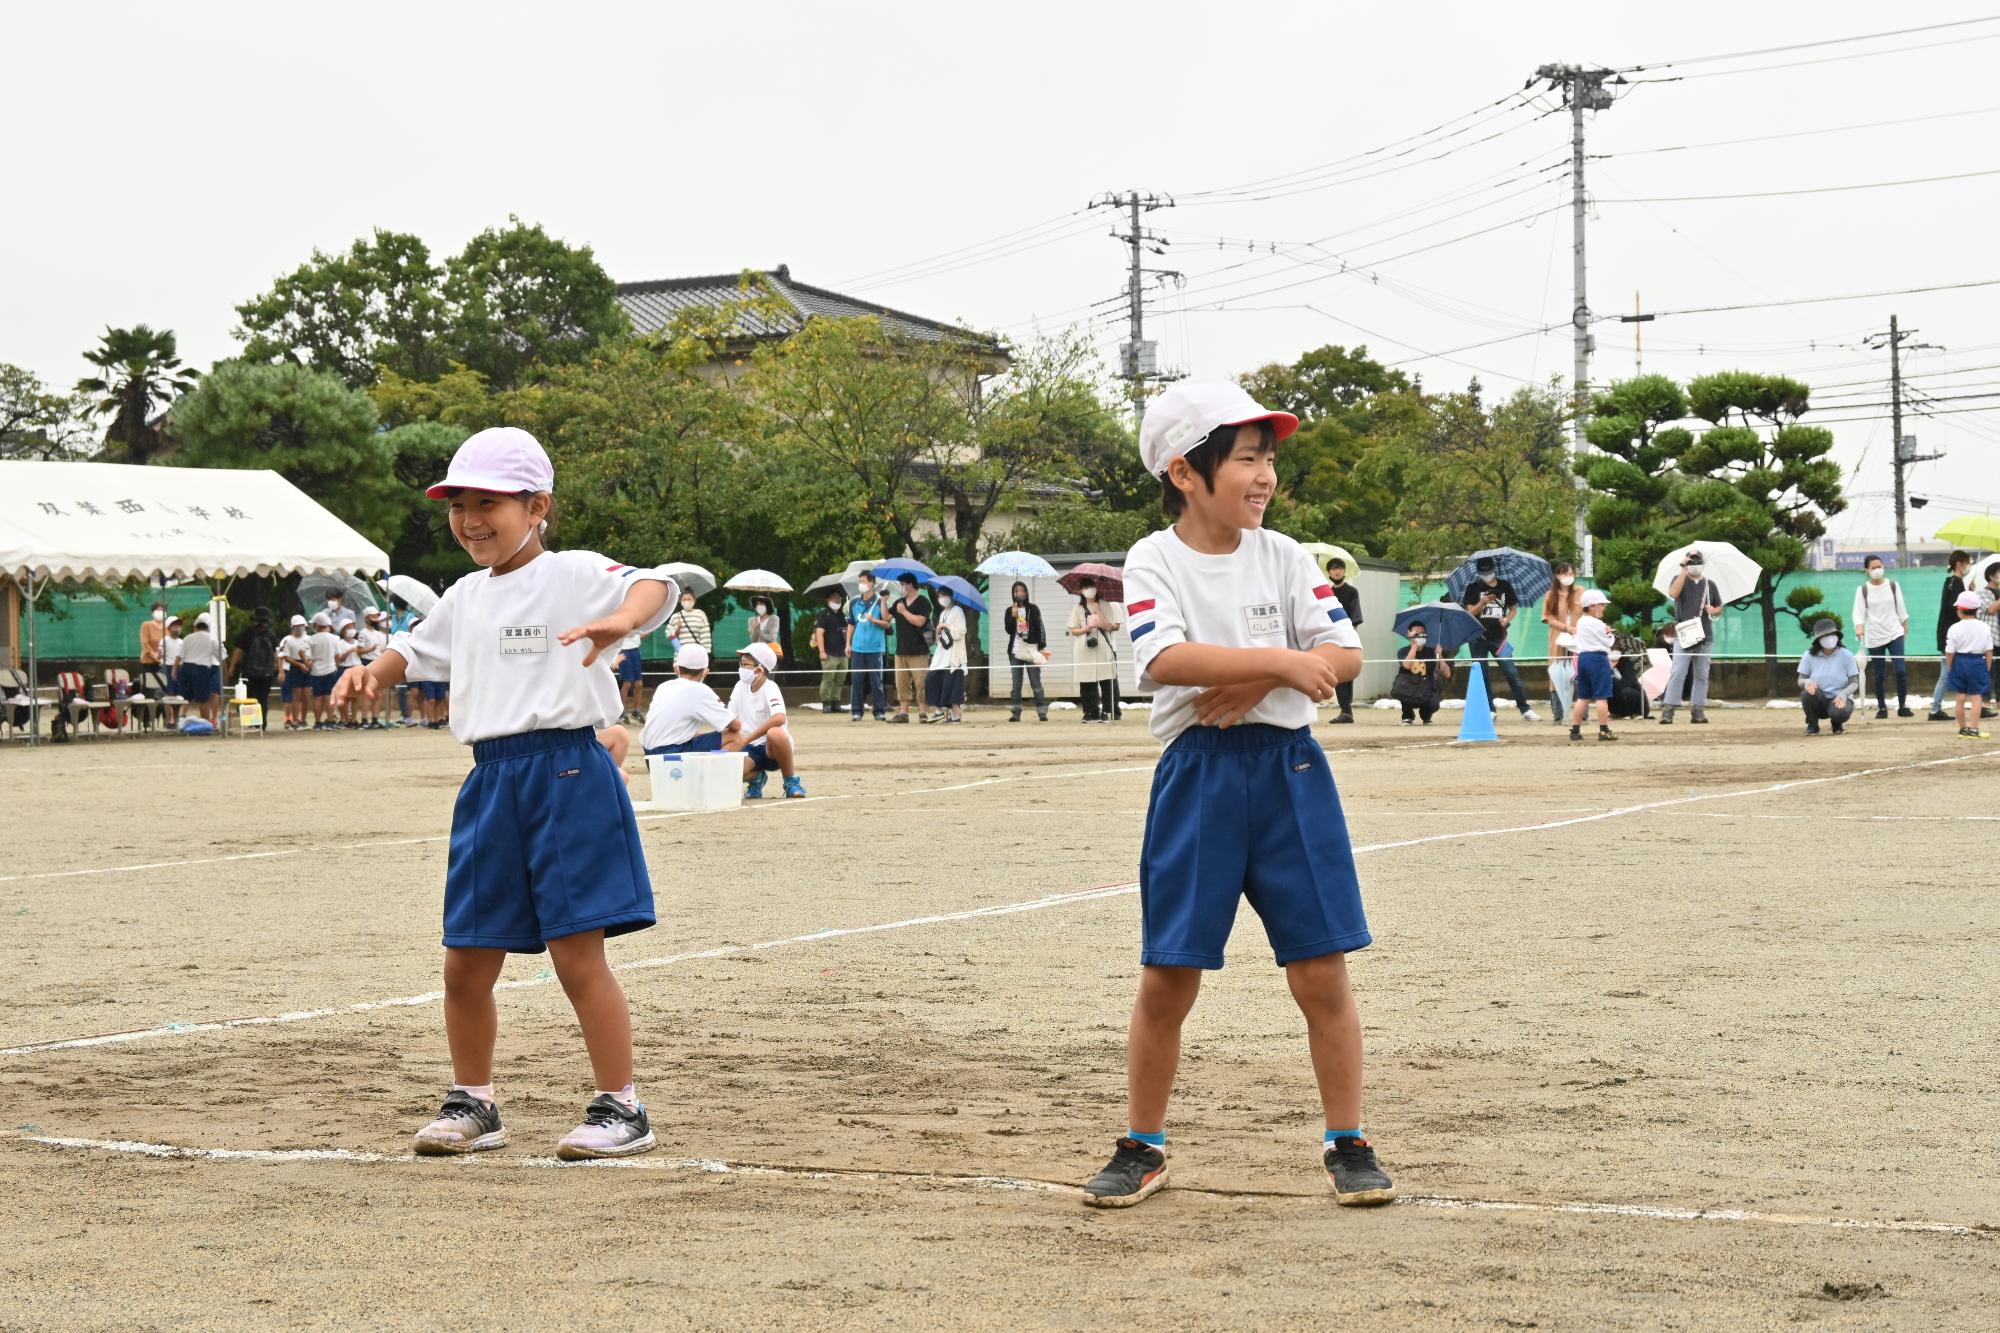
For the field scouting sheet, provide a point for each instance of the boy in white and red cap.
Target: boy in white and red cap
(766, 740)
(544, 849)
(1594, 680)
(1238, 636)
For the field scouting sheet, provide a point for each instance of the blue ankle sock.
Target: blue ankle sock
(1158, 1140)
(1333, 1134)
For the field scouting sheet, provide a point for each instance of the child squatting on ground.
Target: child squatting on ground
(544, 848)
(1594, 681)
(1238, 636)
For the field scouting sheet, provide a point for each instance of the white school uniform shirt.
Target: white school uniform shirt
(1593, 635)
(494, 638)
(199, 649)
(681, 710)
(372, 642)
(170, 652)
(1968, 638)
(325, 652)
(628, 643)
(297, 651)
(756, 705)
(1267, 593)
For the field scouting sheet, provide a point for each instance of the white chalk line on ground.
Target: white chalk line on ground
(1847, 818)
(969, 914)
(1031, 1184)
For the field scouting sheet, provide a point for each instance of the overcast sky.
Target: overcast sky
(167, 162)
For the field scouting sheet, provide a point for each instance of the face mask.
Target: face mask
(159, 615)
(746, 674)
(1566, 579)
(833, 603)
(867, 590)
(687, 603)
(1090, 594)
(1489, 578)
(1418, 641)
(1877, 574)
(944, 601)
(1829, 641)
(1694, 568)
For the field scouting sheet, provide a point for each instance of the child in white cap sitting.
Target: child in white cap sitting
(767, 742)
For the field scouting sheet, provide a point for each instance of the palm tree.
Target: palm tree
(141, 368)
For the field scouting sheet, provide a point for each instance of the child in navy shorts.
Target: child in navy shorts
(1238, 636)
(544, 848)
(1594, 681)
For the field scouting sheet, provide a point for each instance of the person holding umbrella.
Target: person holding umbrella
(1092, 622)
(1420, 678)
(1027, 649)
(1495, 602)
(1696, 605)
(1829, 680)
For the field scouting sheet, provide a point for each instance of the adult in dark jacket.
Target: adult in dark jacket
(1954, 584)
(1350, 601)
(1027, 649)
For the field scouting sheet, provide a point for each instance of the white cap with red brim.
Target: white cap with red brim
(1190, 410)
(503, 459)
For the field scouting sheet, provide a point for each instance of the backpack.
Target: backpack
(260, 655)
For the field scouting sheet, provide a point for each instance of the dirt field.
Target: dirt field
(880, 1033)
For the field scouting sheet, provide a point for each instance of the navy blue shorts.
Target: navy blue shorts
(434, 690)
(1968, 675)
(1247, 812)
(322, 686)
(1593, 676)
(543, 845)
(297, 679)
(705, 743)
(199, 683)
(761, 756)
(629, 668)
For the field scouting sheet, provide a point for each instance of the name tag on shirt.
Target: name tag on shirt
(519, 639)
(1265, 619)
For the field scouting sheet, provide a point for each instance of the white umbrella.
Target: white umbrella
(416, 596)
(847, 580)
(1733, 573)
(757, 580)
(692, 578)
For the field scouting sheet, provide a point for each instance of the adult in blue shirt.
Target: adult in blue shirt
(1829, 680)
(868, 617)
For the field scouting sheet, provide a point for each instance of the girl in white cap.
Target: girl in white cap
(544, 849)
(295, 655)
(170, 667)
(1594, 681)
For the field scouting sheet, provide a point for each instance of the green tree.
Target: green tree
(1342, 468)
(378, 305)
(1472, 477)
(1082, 527)
(140, 370)
(1631, 479)
(423, 546)
(308, 427)
(36, 423)
(521, 299)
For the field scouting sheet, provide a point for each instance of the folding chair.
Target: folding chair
(144, 704)
(118, 691)
(13, 685)
(73, 699)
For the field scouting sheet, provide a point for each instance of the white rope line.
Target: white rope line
(1002, 909)
(716, 1166)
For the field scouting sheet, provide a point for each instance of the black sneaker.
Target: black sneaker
(1881, 714)
(1576, 733)
(609, 1129)
(465, 1124)
(1903, 710)
(1341, 717)
(1358, 1180)
(1606, 734)
(1135, 1171)
(1937, 715)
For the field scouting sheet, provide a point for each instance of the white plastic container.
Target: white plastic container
(712, 781)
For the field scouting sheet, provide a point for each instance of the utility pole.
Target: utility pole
(1582, 90)
(1904, 448)
(1138, 360)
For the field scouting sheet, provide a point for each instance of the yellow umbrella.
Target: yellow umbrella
(1324, 551)
(1982, 530)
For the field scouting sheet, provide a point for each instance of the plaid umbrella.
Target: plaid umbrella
(1110, 582)
(1530, 574)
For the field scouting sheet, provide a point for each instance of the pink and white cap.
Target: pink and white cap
(1190, 410)
(1967, 601)
(1594, 597)
(503, 459)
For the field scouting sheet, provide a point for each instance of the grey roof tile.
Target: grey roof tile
(652, 305)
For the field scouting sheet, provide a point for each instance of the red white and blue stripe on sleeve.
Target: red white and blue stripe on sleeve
(1330, 604)
(622, 571)
(1140, 617)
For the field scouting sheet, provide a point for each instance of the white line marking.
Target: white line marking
(1885, 819)
(1002, 909)
(716, 1166)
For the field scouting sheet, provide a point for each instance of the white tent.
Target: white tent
(110, 521)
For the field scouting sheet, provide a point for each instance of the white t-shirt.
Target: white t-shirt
(372, 642)
(681, 710)
(629, 642)
(756, 705)
(325, 646)
(1879, 612)
(494, 638)
(1267, 593)
(170, 651)
(199, 649)
(297, 651)
(1968, 637)
(951, 620)
(1593, 635)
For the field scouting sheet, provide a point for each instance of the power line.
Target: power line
(1823, 60)
(1058, 220)
(1798, 134)
(1807, 46)
(1820, 300)
(1816, 189)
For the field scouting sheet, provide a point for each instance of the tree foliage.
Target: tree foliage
(40, 424)
(139, 370)
(352, 315)
(519, 298)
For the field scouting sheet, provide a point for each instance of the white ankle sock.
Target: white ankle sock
(626, 1096)
(483, 1091)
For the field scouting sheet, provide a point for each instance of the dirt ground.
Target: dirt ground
(880, 1033)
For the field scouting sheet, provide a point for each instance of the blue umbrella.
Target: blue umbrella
(1016, 565)
(968, 596)
(891, 570)
(1530, 574)
(1449, 625)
